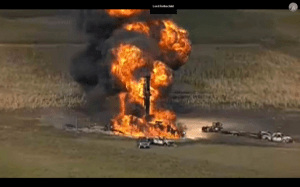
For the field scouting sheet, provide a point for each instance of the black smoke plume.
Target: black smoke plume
(91, 67)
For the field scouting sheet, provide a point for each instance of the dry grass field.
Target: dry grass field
(29, 81)
(264, 77)
(248, 77)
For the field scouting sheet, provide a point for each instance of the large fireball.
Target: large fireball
(127, 63)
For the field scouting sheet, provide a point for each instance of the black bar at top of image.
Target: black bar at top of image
(200, 4)
(163, 11)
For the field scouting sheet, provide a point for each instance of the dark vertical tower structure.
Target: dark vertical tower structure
(147, 96)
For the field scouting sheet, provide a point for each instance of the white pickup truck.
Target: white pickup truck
(163, 142)
(143, 143)
(275, 137)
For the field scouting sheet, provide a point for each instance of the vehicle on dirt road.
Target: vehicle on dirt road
(143, 143)
(275, 137)
(216, 127)
(264, 135)
(234, 133)
(162, 142)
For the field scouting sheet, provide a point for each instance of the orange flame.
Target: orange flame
(128, 59)
(123, 12)
(174, 38)
(162, 75)
(140, 27)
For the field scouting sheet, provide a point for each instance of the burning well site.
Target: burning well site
(134, 54)
(126, 93)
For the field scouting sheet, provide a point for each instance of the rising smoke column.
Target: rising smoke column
(125, 46)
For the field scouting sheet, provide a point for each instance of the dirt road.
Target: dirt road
(243, 120)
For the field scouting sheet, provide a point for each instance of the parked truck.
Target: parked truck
(275, 137)
(216, 127)
(143, 143)
(162, 141)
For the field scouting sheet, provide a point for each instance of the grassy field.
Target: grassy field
(205, 26)
(29, 80)
(37, 27)
(243, 77)
(239, 77)
(27, 13)
(239, 26)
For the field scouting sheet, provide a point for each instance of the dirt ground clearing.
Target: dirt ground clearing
(31, 149)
